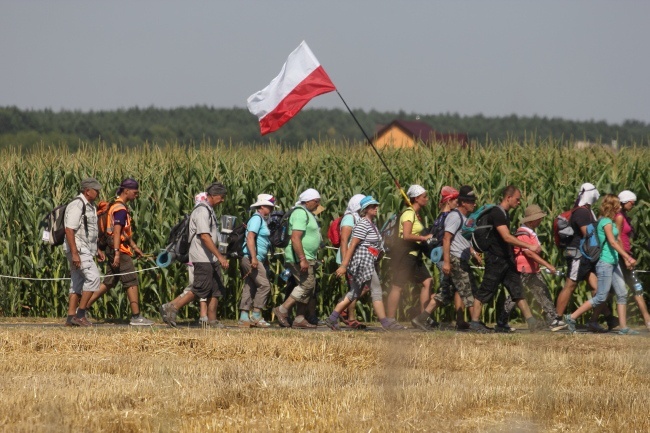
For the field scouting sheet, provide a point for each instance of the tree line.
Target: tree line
(202, 124)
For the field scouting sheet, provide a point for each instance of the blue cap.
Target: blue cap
(367, 201)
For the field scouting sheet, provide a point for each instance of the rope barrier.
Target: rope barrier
(63, 279)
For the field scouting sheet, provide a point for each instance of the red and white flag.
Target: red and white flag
(301, 79)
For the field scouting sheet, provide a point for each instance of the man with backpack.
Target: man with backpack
(457, 252)
(80, 246)
(300, 259)
(500, 267)
(206, 259)
(579, 267)
(120, 250)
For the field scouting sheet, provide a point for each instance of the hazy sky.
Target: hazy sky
(579, 60)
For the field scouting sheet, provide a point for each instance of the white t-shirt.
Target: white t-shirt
(459, 245)
(202, 220)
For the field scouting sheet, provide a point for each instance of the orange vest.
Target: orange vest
(125, 233)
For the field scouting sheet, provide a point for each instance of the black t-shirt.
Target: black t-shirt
(579, 218)
(496, 217)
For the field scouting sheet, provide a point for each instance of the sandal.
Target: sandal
(355, 324)
(260, 323)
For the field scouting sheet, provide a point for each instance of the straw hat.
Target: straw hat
(533, 213)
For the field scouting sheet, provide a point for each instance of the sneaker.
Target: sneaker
(595, 328)
(570, 323)
(420, 324)
(332, 324)
(203, 321)
(244, 323)
(81, 321)
(394, 326)
(479, 327)
(215, 324)
(70, 323)
(503, 328)
(282, 318)
(168, 315)
(612, 322)
(557, 325)
(628, 331)
(140, 320)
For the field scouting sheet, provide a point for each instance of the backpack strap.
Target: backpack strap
(190, 219)
(83, 213)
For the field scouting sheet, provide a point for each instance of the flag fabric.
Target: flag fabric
(301, 79)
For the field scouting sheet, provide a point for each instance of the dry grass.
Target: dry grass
(115, 379)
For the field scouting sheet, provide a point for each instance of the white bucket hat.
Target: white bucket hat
(626, 196)
(264, 200)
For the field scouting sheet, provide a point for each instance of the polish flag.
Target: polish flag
(301, 79)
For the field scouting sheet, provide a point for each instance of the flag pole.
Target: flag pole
(406, 199)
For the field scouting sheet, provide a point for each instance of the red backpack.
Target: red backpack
(334, 232)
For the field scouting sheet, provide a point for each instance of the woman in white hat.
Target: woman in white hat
(625, 235)
(408, 267)
(360, 265)
(256, 288)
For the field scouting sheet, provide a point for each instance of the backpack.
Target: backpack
(590, 244)
(236, 240)
(477, 230)
(103, 239)
(178, 241)
(562, 231)
(438, 232)
(280, 233)
(334, 232)
(54, 224)
(390, 235)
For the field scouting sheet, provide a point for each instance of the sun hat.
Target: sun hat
(447, 193)
(264, 200)
(415, 191)
(626, 196)
(466, 193)
(90, 183)
(367, 201)
(533, 213)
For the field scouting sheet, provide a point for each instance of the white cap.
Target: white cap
(308, 195)
(626, 196)
(415, 191)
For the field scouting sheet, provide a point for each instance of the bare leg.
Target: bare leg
(564, 296)
(392, 301)
(134, 301)
(425, 294)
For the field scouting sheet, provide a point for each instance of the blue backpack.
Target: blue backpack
(590, 244)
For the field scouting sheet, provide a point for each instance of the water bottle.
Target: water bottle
(637, 286)
(284, 275)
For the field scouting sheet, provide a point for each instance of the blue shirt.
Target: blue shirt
(258, 225)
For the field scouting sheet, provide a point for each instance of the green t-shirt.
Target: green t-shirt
(608, 254)
(303, 220)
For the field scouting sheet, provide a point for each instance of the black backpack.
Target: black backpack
(280, 231)
(236, 240)
(54, 224)
(438, 232)
(178, 241)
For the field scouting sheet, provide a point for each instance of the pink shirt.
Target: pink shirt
(524, 264)
(624, 236)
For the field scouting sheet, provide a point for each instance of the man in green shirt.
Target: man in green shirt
(300, 259)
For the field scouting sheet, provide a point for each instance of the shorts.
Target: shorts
(86, 278)
(190, 281)
(126, 267)
(578, 269)
(306, 287)
(409, 269)
(207, 280)
(500, 271)
(462, 281)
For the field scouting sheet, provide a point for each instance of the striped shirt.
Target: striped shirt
(367, 231)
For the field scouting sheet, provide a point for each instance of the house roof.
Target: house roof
(416, 129)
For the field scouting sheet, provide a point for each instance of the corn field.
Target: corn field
(548, 174)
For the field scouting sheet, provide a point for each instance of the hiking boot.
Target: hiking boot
(628, 331)
(168, 315)
(595, 328)
(479, 327)
(570, 323)
(503, 328)
(354, 324)
(140, 320)
(282, 318)
(70, 323)
(557, 325)
(303, 325)
(612, 322)
(421, 324)
(433, 323)
(81, 321)
(332, 324)
(393, 325)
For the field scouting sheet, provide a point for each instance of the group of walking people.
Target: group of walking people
(512, 260)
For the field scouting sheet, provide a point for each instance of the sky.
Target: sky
(574, 59)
